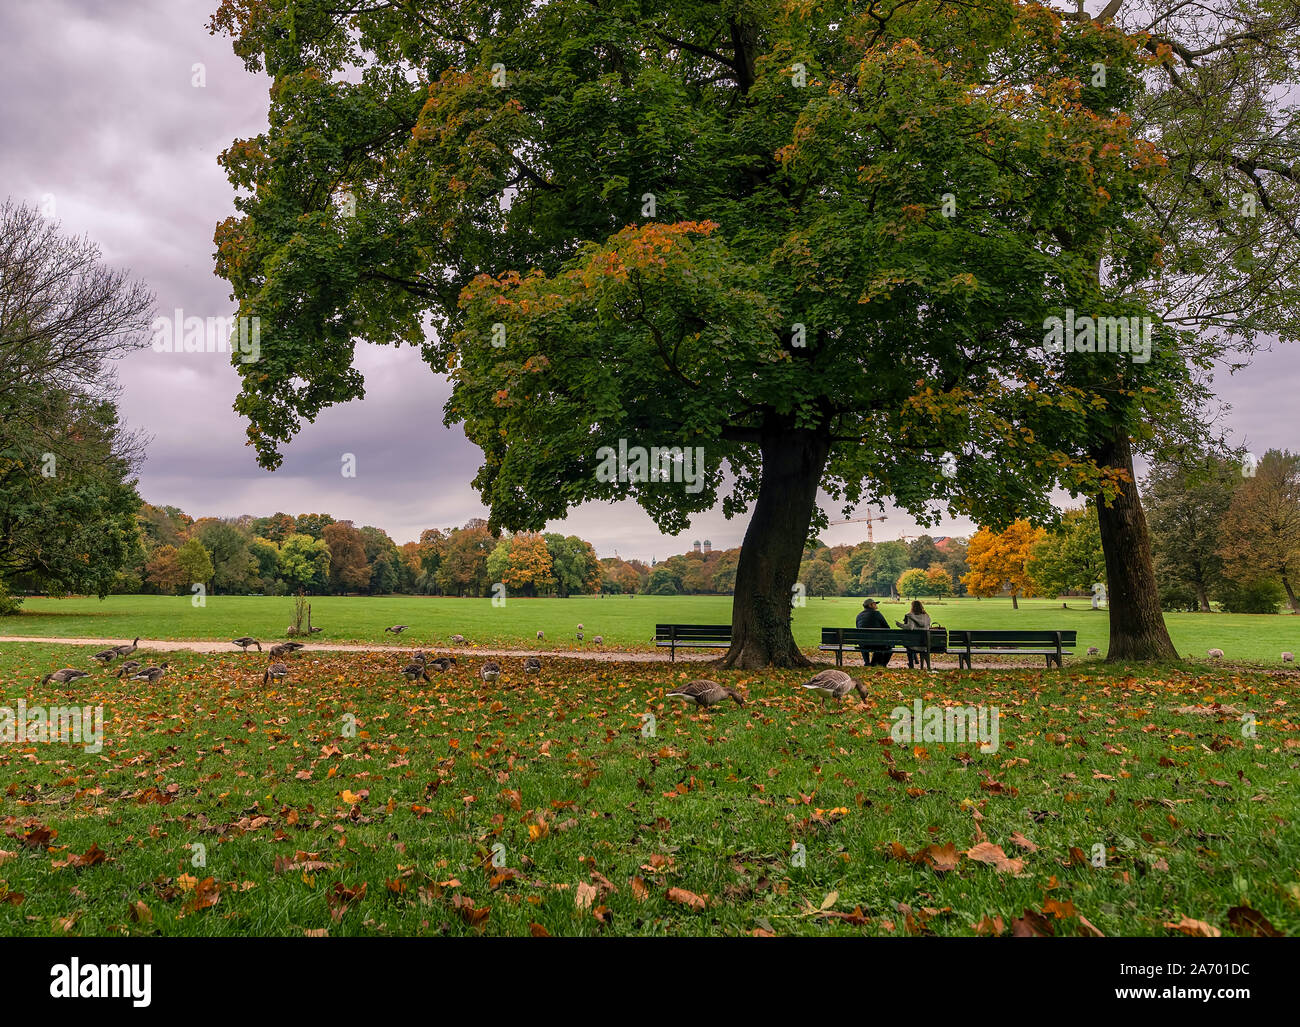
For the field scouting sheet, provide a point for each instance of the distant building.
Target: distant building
(697, 545)
(708, 546)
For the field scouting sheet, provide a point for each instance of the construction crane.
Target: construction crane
(861, 520)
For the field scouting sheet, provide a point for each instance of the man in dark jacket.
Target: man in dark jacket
(871, 617)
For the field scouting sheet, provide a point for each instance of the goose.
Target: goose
(105, 656)
(598, 640)
(244, 641)
(278, 671)
(127, 650)
(834, 684)
(150, 674)
(1214, 654)
(130, 666)
(579, 636)
(443, 663)
(1288, 657)
(284, 649)
(532, 665)
(1093, 651)
(579, 627)
(397, 629)
(541, 635)
(415, 670)
(490, 671)
(64, 676)
(315, 631)
(458, 639)
(705, 693)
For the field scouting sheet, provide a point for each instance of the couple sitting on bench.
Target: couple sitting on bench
(916, 619)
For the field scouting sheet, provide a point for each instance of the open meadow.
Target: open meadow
(623, 621)
(345, 800)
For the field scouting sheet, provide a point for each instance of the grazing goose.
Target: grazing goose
(532, 665)
(284, 649)
(244, 641)
(105, 656)
(1215, 654)
(1288, 657)
(1093, 651)
(443, 663)
(278, 671)
(834, 684)
(127, 650)
(316, 631)
(598, 640)
(415, 670)
(579, 636)
(579, 627)
(541, 635)
(150, 674)
(705, 693)
(397, 629)
(64, 676)
(458, 639)
(130, 666)
(490, 671)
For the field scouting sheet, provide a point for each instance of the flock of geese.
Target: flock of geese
(133, 670)
(829, 684)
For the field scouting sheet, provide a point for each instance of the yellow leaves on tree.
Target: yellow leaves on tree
(998, 561)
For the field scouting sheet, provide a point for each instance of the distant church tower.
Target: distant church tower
(708, 546)
(697, 545)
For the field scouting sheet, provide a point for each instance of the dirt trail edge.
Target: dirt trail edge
(216, 646)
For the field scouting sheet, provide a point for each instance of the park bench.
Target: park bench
(1054, 645)
(692, 636)
(923, 642)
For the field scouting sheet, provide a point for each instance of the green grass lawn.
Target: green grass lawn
(311, 826)
(623, 621)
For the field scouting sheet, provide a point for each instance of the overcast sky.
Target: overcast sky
(99, 118)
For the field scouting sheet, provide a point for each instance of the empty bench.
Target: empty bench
(916, 640)
(1054, 645)
(692, 636)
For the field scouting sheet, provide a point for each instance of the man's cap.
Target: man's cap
(868, 602)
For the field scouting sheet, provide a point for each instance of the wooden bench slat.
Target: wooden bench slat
(692, 636)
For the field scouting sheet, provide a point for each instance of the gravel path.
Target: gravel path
(209, 646)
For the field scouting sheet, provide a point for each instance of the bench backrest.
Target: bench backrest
(1000, 639)
(693, 632)
(914, 638)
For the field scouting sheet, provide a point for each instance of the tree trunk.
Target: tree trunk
(768, 568)
(1015, 601)
(1202, 598)
(1137, 625)
(1290, 594)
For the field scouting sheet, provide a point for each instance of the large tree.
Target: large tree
(819, 244)
(1218, 104)
(67, 488)
(1261, 531)
(1188, 501)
